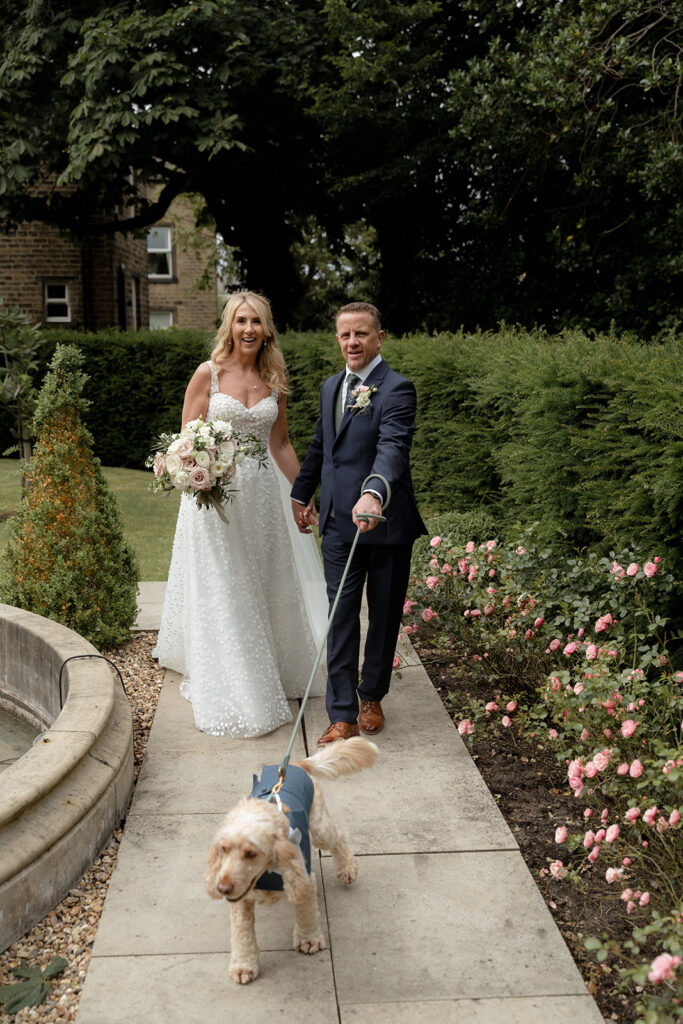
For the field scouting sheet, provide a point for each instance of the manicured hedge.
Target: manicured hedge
(581, 435)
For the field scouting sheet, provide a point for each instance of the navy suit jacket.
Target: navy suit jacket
(376, 439)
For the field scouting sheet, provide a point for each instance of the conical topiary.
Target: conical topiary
(66, 557)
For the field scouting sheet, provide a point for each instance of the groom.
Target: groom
(366, 424)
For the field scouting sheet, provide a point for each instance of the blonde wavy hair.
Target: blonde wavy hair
(269, 361)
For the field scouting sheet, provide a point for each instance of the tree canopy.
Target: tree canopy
(517, 161)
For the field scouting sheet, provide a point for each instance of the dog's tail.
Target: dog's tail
(341, 758)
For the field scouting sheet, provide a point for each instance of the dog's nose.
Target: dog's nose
(225, 887)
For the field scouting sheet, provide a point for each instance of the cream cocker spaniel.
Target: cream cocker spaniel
(256, 839)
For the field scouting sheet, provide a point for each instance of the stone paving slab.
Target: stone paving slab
(445, 926)
(196, 989)
(424, 793)
(185, 769)
(533, 1010)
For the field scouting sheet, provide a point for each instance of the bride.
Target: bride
(245, 605)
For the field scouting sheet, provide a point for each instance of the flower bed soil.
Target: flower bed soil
(530, 788)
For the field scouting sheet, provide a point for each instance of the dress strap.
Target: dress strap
(213, 390)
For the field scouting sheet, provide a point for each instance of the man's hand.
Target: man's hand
(366, 503)
(304, 516)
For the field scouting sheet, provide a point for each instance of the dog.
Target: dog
(256, 840)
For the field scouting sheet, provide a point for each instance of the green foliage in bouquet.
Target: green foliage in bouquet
(66, 557)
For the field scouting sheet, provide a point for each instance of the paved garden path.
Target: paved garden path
(444, 923)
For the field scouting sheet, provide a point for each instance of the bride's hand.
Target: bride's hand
(304, 516)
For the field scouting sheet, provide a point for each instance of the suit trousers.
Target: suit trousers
(386, 567)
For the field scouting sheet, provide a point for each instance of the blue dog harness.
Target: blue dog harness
(297, 792)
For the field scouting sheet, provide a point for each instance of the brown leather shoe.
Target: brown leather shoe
(338, 731)
(371, 717)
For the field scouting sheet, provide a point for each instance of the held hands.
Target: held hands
(366, 503)
(304, 516)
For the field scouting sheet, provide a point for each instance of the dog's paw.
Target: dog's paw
(309, 945)
(242, 974)
(348, 873)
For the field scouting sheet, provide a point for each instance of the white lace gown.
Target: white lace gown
(236, 623)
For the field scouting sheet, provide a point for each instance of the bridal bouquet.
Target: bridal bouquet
(202, 460)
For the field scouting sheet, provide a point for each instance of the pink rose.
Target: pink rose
(475, 613)
(650, 815)
(465, 728)
(612, 834)
(560, 834)
(435, 541)
(554, 644)
(488, 609)
(636, 769)
(591, 652)
(159, 464)
(446, 568)
(588, 812)
(616, 569)
(594, 854)
(506, 721)
(600, 761)
(428, 615)
(469, 547)
(650, 568)
(674, 818)
(632, 569)
(632, 813)
(557, 869)
(490, 544)
(408, 606)
(491, 706)
(511, 706)
(584, 735)
(599, 835)
(539, 622)
(520, 550)
(663, 967)
(552, 733)
(396, 662)
(570, 648)
(432, 581)
(184, 447)
(628, 727)
(199, 479)
(644, 899)
(623, 768)
(589, 839)
(613, 874)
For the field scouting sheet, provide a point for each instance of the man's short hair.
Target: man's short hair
(362, 307)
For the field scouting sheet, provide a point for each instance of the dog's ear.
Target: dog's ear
(213, 864)
(291, 866)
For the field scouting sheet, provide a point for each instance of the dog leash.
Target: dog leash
(364, 517)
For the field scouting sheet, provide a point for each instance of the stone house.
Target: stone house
(125, 281)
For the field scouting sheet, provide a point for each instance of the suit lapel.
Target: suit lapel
(334, 383)
(373, 379)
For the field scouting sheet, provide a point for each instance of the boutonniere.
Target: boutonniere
(363, 395)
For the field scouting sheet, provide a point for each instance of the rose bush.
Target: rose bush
(577, 659)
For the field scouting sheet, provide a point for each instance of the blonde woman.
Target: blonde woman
(245, 602)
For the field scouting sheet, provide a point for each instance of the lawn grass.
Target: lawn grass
(148, 519)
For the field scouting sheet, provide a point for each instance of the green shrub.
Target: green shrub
(66, 557)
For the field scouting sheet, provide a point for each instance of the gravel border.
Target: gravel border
(69, 929)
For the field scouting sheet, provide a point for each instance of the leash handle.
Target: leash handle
(284, 764)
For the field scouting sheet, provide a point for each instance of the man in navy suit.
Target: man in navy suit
(366, 424)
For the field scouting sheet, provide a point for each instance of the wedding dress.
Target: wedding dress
(245, 605)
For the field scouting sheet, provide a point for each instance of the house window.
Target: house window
(160, 319)
(57, 303)
(159, 256)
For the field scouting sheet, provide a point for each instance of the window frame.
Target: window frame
(63, 301)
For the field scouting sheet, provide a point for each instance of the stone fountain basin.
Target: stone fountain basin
(60, 801)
